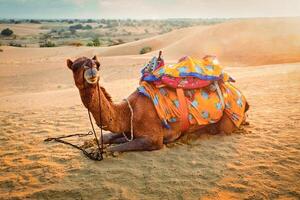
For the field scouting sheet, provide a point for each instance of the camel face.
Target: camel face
(85, 70)
(91, 75)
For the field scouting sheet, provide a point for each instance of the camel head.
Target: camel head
(85, 71)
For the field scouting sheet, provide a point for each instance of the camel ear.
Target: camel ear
(69, 64)
(95, 58)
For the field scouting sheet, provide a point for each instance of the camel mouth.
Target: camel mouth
(92, 80)
(91, 76)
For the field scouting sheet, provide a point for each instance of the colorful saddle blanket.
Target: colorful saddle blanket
(188, 73)
(204, 104)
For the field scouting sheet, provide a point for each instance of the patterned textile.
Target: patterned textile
(188, 73)
(191, 67)
(204, 104)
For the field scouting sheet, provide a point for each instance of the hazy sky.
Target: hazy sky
(150, 9)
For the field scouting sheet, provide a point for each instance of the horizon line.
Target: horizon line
(140, 19)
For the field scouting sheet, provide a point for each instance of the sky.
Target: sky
(147, 9)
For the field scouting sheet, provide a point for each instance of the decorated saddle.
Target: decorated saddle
(191, 91)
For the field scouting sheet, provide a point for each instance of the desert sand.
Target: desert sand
(24, 29)
(38, 99)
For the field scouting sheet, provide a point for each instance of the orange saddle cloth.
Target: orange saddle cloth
(204, 105)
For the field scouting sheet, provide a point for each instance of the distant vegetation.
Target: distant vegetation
(145, 50)
(94, 43)
(14, 44)
(7, 32)
(80, 26)
(47, 44)
(90, 32)
(33, 21)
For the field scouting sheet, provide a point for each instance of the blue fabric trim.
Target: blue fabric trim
(165, 124)
(150, 78)
(142, 91)
(200, 76)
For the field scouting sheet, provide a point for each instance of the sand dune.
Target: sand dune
(249, 42)
(156, 43)
(38, 99)
(235, 43)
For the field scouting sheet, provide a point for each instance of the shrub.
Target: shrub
(48, 44)
(1, 50)
(96, 42)
(7, 32)
(33, 21)
(13, 44)
(75, 27)
(87, 27)
(73, 31)
(145, 50)
(90, 44)
(77, 44)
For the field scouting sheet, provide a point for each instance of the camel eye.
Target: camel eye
(86, 67)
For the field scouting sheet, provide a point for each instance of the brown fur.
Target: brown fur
(149, 133)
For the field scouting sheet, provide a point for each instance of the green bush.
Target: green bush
(80, 27)
(87, 27)
(48, 44)
(7, 32)
(77, 26)
(145, 50)
(94, 43)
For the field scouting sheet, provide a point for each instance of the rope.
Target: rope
(100, 119)
(219, 93)
(131, 122)
(96, 157)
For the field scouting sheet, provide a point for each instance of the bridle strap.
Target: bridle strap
(100, 120)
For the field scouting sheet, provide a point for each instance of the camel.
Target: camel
(148, 132)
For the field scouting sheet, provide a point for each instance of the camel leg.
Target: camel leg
(171, 136)
(109, 137)
(138, 144)
(119, 140)
(226, 125)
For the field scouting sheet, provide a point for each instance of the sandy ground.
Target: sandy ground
(38, 100)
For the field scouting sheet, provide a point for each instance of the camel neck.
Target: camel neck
(113, 116)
